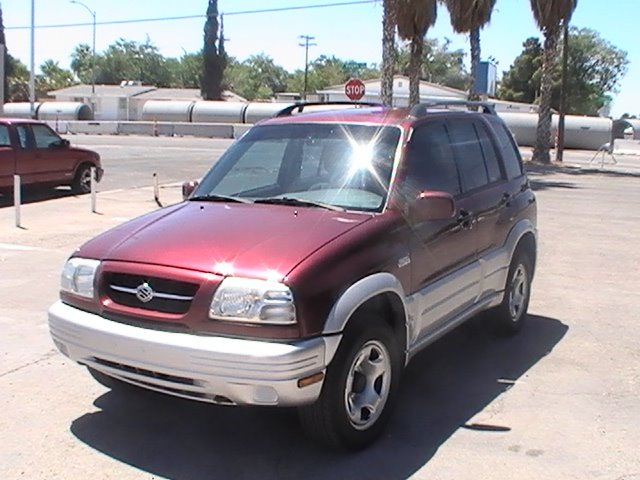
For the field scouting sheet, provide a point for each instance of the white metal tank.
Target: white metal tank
(20, 109)
(257, 111)
(211, 111)
(167, 110)
(64, 111)
(583, 133)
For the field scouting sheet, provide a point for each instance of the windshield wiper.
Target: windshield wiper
(297, 202)
(210, 197)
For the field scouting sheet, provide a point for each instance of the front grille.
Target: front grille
(169, 296)
(143, 372)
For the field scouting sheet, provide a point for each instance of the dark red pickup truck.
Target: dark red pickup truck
(41, 157)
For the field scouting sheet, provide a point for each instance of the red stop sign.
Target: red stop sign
(354, 89)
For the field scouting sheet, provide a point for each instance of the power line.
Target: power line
(191, 17)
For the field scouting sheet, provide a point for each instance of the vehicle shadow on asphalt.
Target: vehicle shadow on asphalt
(442, 389)
(36, 195)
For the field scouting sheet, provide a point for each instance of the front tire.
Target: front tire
(82, 181)
(359, 390)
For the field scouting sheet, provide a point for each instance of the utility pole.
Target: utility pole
(32, 74)
(563, 91)
(307, 42)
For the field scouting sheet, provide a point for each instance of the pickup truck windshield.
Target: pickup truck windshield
(345, 166)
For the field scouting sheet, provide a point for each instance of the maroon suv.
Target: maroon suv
(313, 261)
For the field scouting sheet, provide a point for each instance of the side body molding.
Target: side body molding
(359, 293)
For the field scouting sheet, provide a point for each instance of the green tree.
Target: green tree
(327, 71)
(53, 77)
(549, 15)
(214, 56)
(18, 81)
(81, 59)
(256, 78)
(439, 64)
(414, 17)
(130, 60)
(521, 83)
(8, 64)
(595, 68)
(470, 16)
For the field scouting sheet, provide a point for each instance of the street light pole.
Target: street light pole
(32, 74)
(93, 50)
(307, 39)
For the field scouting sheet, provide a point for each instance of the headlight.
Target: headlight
(78, 276)
(253, 301)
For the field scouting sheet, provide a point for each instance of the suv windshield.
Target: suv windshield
(315, 165)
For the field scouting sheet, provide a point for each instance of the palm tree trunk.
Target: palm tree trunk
(388, 52)
(415, 64)
(474, 41)
(543, 134)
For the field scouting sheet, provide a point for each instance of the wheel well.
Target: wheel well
(527, 244)
(387, 307)
(84, 163)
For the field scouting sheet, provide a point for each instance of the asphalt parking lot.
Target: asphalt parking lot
(559, 401)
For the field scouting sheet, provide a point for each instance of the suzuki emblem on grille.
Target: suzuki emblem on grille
(144, 293)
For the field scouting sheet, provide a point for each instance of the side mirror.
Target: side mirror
(433, 206)
(188, 188)
(65, 143)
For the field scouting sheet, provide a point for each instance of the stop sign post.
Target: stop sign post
(354, 89)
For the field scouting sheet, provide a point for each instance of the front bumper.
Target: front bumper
(206, 368)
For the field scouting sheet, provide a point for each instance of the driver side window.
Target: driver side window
(44, 136)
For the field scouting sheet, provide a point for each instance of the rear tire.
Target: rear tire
(507, 319)
(82, 181)
(359, 390)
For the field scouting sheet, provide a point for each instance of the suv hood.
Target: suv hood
(259, 241)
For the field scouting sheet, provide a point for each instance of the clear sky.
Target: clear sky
(348, 32)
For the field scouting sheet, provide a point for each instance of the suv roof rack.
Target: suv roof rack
(420, 110)
(300, 106)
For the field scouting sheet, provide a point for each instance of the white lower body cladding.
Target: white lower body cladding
(205, 368)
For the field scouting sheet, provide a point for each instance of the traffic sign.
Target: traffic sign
(354, 89)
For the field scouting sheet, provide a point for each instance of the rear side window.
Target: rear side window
(512, 164)
(430, 163)
(468, 154)
(489, 153)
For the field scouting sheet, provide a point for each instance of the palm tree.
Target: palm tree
(414, 17)
(549, 15)
(388, 50)
(469, 16)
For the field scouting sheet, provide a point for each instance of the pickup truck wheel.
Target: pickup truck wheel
(82, 181)
(358, 392)
(512, 312)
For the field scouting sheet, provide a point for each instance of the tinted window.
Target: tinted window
(489, 153)
(512, 164)
(430, 163)
(23, 136)
(44, 136)
(5, 141)
(468, 154)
